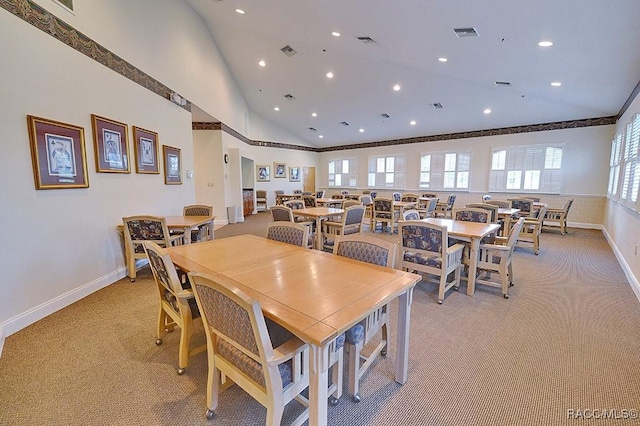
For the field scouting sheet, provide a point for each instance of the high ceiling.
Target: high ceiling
(595, 56)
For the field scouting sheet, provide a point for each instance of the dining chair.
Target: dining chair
(262, 358)
(285, 214)
(502, 204)
(204, 232)
(411, 198)
(344, 192)
(446, 209)
(428, 209)
(470, 214)
(309, 200)
(320, 194)
(429, 195)
(337, 197)
(493, 210)
(384, 212)
(373, 194)
(291, 233)
(367, 202)
(524, 204)
(497, 257)
(137, 230)
(178, 305)
(485, 198)
(261, 200)
(378, 252)
(425, 249)
(396, 196)
(297, 192)
(351, 223)
(412, 214)
(278, 193)
(558, 216)
(530, 232)
(350, 202)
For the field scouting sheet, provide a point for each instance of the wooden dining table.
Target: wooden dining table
(506, 216)
(467, 231)
(330, 202)
(315, 295)
(319, 214)
(185, 224)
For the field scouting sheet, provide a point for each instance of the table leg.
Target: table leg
(186, 235)
(402, 343)
(318, 385)
(319, 233)
(473, 265)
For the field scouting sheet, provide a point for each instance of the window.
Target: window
(343, 174)
(630, 179)
(386, 172)
(614, 166)
(530, 168)
(445, 170)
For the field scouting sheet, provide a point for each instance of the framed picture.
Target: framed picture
(58, 154)
(280, 170)
(263, 173)
(294, 174)
(145, 146)
(111, 145)
(172, 165)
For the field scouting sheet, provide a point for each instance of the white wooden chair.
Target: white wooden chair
(204, 232)
(558, 216)
(531, 229)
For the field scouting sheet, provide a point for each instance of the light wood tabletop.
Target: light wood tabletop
(468, 231)
(315, 295)
(185, 224)
(319, 213)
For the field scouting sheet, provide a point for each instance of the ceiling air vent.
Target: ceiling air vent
(437, 105)
(466, 32)
(289, 96)
(344, 123)
(385, 115)
(313, 129)
(366, 39)
(288, 50)
(502, 83)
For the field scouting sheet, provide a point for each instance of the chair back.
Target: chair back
(319, 194)
(431, 207)
(291, 233)
(567, 206)
(295, 204)
(534, 199)
(297, 191)
(423, 243)
(486, 198)
(514, 232)
(352, 219)
(470, 214)
(366, 200)
(373, 194)
(383, 206)
(450, 201)
(411, 198)
(197, 210)
(396, 196)
(350, 203)
(502, 204)
(366, 192)
(411, 215)
(337, 197)
(309, 200)
(261, 194)
(279, 192)
(344, 192)
(366, 249)
(138, 229)
(429, 195)
(489, 207)
(281, 214)
(524, 204)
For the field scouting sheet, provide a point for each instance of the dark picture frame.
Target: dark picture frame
(280, 170)
(58, 154)
(263, 173)
(111, 145)
(145, 146)
(172, 165)
(294, 174)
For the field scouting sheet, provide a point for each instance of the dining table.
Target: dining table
(473, 232)
(317, 296)
(506, 215)
(328, 202)
(319, 214)
(185, 224)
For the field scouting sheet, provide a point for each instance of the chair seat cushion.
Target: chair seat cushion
(414, 257)
(355, 334)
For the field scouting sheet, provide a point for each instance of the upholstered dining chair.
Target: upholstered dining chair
(291, 233)
(485, 198)
(497, 257)
(469, 214)
(351, 223)
(261, 200)
(558, 216)
(204, 232)
(492, 209)
(378, 252)
(285, 214)
(429, 195)
(350, 202)
(397, 196)
(320, 194)
(178, 305)
(425, 249)
(367, 202)
(411, 198)
(384, 212)
(412, 214)
(446, 209)
(524, 204)
(531, 229)
(262, 358)
(428, 209)
(344, 192)
(309, 200)
(502, 204)
(137, 230)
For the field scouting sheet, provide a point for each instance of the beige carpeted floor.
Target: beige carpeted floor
(567, 339)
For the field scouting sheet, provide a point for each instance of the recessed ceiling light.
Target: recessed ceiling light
(361, 130)
(240, 11)
(276, 108)
(396, 87)
(412, 122)
(487, 111)
(320, 136)
(335, 34)
(443, 59)
(556, 84)
(262, 63)
(329, 74)
(314, 114)
(545, 43)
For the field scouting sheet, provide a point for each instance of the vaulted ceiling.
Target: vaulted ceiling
(595, 57)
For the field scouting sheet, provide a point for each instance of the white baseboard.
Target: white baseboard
(27, 318)
(633, 280)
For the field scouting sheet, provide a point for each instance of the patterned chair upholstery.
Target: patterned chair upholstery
(291, 233)
(297, 191)
(501, 204)
(373, 194)
(470, 214)
(524, 204)
(344, 192)
(425, 249)
(309, 200)
(429, 195)
(265, 360)
(531, 228)
(485, 198)
(384, 212)
(351, 223)
(178, 305)
(337, 197)
(446, 209)
(411, 215)
(285, 214)
(378, 252)
(204, 232)
(497, 257)
(319, 194)
(411, 198)
(558, 216)
(396, 196)
(350, 202)
(137, 230)
(493, 210)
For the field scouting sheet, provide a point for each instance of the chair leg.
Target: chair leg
(185, 339)
(354, 370)
(442, 287)
(274, 414)
(162, 320)
(337, 376)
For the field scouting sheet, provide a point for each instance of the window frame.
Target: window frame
(398, 172)
(440, 171)
(351, 176)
